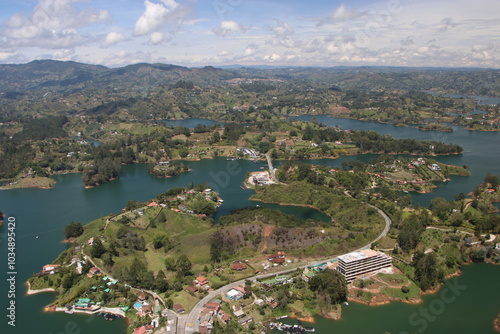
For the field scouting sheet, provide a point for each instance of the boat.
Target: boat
(110, 316)
(346, 304)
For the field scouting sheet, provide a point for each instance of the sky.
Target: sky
(114, 33)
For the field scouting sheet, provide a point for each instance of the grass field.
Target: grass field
(32, 182)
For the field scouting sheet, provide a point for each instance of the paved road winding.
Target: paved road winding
(190, 324)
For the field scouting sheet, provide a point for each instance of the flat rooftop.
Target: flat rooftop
(355, 256)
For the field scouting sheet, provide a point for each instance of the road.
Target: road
(271, 168)
(192, 318)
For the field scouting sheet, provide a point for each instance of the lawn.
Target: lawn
(185, 299)
(32, 182)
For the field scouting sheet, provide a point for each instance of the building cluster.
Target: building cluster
(261, 178)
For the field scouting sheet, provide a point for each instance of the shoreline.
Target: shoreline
(111, 310)
(414, 301)
(211, 158)
(400, 124)
(34, 292)
(291, 204)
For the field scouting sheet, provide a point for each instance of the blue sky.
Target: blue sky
(450, 33)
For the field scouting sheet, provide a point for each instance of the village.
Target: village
(247, 303)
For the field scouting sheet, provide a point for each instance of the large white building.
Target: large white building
(366, 261)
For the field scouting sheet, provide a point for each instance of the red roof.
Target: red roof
(212, 306)
(202, 280)
(240, 289)
(147, 308)
(192, 289)
(278, 260)
(238, 266)
(178, 308)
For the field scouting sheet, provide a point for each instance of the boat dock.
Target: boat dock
(291, 328)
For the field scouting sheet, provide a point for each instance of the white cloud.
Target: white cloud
(156, 38)
(113, 38)
(281, 29)
(225, 53)
(250, 51)
(341, 14)
(51, 24)
(273, 57)
(228, 28)
(156, 15)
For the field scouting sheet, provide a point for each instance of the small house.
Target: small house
(201, 280)
(49, 269)
(147, 309)
(94, 271)
(212, 307)
(191, 289)
(238, 266)
(234, 294)
(178, 308)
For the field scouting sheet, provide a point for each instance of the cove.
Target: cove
(41, 215)
(464, 304)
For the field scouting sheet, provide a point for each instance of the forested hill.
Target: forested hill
(467, 81)
(67, 76)
(42, 76)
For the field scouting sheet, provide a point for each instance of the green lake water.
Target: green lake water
(44, 213)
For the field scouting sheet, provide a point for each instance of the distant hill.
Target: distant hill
(145, 91)
(70, 76)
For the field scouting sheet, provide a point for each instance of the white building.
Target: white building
(355, 264)
(261, 178)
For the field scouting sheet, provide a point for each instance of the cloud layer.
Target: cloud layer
(397, 32)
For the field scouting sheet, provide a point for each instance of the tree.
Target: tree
(215, 137)
(169, 303)
(492, 179)
(440, 207)
(68, 280)
(183, 265)
(183, 152)
(330, 285)
(107, 260)
(159, 241)
(409, 236)
(216, 243)
(428, 271)
(97, 249)
(128, 156)
(274, 154)
(161, 283)
(202, 206)
(161, 217)
(170, 264)
(72, 230)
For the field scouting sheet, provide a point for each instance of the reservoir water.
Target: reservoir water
(44, 213)
(465, 304)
